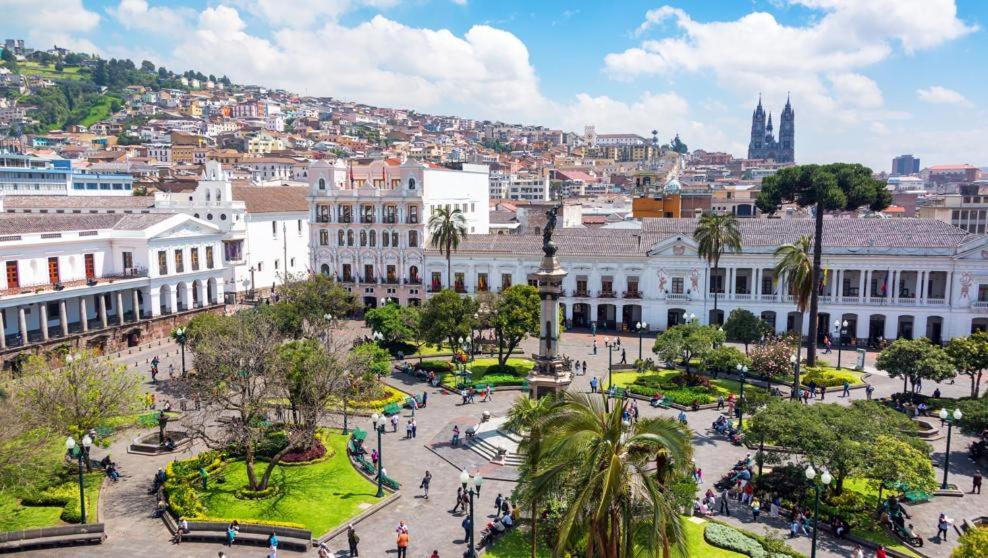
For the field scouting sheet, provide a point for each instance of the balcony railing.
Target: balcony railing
(631, 294)
(980, 305)
(939, 301)
(605, 294)
(878, 300)
(390, 281)
(677, 296)
(435, 288)
(345, 219)
(413, 281)
(131, 273)
(743, 296)
(412, 220)
(391, 220)
(766, 297)
(322, 219)
(459, 288)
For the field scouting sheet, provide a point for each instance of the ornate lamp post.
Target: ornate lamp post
(641, 327)
(742, 374)
(950, 419)
(840, 328)
(79, 452)
(825, 479)
(379, 428)
(794, 394)
(472, 491)
(180, 337)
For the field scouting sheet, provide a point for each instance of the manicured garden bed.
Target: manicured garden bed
(829, 376)
(36, 506)
(486, 371)
(669, 383)
(386, 396)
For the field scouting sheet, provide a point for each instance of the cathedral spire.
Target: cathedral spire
(769, 125)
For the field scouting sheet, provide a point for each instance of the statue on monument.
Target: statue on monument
(548, 246)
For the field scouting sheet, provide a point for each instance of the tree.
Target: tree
(716, 235)
(794, 265)
(527, 416)
(515, 316)
(972, 544)
(744, 327)
(892, 462)
(915, 360)
(725, 359)
(772, 360)
(318, 295)
(9, 60)
(78, 394)
(975, 419)
(20, 438)
(446, 229)
(377, 359)
(147, 66)
(685, 342)
(837, 186)
(614, 500)
(446, 317)
(970, 357)
(314, 374)
(394, 322)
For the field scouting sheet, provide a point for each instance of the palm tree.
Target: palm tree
(447, 228)
(618, 505)
(526, 416)
(795, 263)
(716, 235)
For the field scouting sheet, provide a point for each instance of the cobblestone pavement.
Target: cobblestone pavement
(132, 531)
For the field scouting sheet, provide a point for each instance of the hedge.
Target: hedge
(437, 366)
(729, 538)
(828, 377)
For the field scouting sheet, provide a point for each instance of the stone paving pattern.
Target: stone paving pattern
(133, 532)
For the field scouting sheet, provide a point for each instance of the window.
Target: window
(606, 285)
(392, 275)
(162, 262)
(233, 250)
(385, 239)
(437, 281)
(340, 241)
(413, 214)
(209, 257)
(346, 214)
(505, 280)
(717, 284)
(53, 275)
(194, 258)
(128, 261)
(276, 264)
(369, 273)
(677, 285)
(373, 239)
(390, 214)
(322, 214)
(322, 183)
(349, 238)
(13, 278)
(298, 224)
(413, 274)
(394, 239)
(260, 266)
(347, 273)
(363, 238)
(411, 183)
(90, 261)
(274, 229)
(324, 269)
(581, 287)
(413, 239)
(632, 285)
(324, 237)
(179, 263)
(482, 282)
(367, 214)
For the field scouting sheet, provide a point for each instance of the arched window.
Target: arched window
(413, 214)
(394, 239)
(219, 196)
(413, 239)
(323, 238)
(373, 238)
(322, 183)
(413, 273)
(385, 239)
(324, 269)
(411, 183)
(349, 238)
(339, 236)
(363, 238)
(208, 195)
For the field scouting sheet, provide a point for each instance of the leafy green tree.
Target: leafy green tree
(970, 357)
(795, 267)
(313, 374)
(616, 492)
(515, 316)
(9, 60)
(725, 359)
(914, 360)
(526, 416)
(377, 358)
(833, 187)
(447, 228)
(78, 394)
(287, 316)
(891, 461)
(975, 419)
(318, 295)
(716, 235)
(394, 322)
(972, 544)
(446, 317)
(685, 342)
(744, 327)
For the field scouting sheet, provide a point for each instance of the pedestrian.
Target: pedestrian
(699, 475)
(324, 551)
(720, 402)
(154, 374)
(624, 357)
(724, 508)
(403, 544)
(826, 345)
(847, 389)
(459, 500)
(756, 508)
(352, 540)
(466, 524)
(869, 389)
(593, 384)
(487, 394)
(497, 505)
(408, 429)
(171, 371)
(812, 386)
(594, 346)
(593, 331)
(415, 428)
(456, 435)
(426, 480)
(505, 507)
(794, 526)
(584, 368)
(976, 482)
(435, 554)
(880, 553)
(231, 532)
(943, 523)
(273, 541)
(682, 417)
(858, 553)
(806, 396)
(394, 423)
(823, 392)
(374, 457)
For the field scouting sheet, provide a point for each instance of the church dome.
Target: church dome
(673, 186)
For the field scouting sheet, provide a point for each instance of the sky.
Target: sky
(869, 79)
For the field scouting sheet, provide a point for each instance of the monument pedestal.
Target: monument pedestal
(549, 376)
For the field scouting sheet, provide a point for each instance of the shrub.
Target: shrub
(248, 494)
(286, 524)
(828, 377)
(729, 538)
(437, 366)
(314, 452)
(973, 544)
(502, 370)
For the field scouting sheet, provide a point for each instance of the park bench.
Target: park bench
(52, 536)
(250, 533)
(391, 409)
(619, 393)
(414, 401)
(355, 445)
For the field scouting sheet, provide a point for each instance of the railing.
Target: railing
(391, 281)
(346, 219)
(631, 294)
(936, 301)
(581, 292)
(767, 297)
(980, 305)
(677, 296)
(435, 288)
(412, 220)
(323, 219)
(743, 296)
(878, 300)
(605, 294)
(390, 220)
(40, 287)
(413, 281)
(849, 299)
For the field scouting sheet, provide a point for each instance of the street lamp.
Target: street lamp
(825, 479)
(472, 491)
(840, 328)
(742, 374)
(346, 391)
(794, 394)
(79, 453)
(180, 337)
(691, 317)
(379, 428)
(641, 327)
(611, 347)
(950, 419)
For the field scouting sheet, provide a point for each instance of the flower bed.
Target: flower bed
(672, 385)
(486, 371)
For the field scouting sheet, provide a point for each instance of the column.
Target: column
(63, 317)
(102, 310)
(3, 330)
(861, 287)
(43, 319)
(892, 284)
(756, 288)
(22, 322)
(83, 314)
(137, 305)
(836, 289)
(730, 283)
(173, 299)
(219, 290)
(154, 300)
(618, 316)
(947, 294)
(120, 308)
(188, 296)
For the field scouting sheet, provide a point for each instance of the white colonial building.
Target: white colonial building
(887, 278)
(369, 220)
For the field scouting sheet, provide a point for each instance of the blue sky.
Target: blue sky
(869, 79)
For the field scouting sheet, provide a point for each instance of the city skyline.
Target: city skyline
(870, 82)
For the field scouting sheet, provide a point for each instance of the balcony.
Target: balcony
(878, 300)
(390, 220)
(413, 281)
(391, 281)
(766, 297)
(938, 301)
(435, 288)
(345, 219)
(323, 219)
(677, 296)
(631, 294)
(460, 288)
(412, 220)
(743, 296)
(980, 306)
(605, 294)
(132, 273)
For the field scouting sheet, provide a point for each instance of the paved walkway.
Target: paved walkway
(132, 532)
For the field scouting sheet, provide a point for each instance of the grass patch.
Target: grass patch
(487, 371)
(51, 506)
(320, 496)
(664, 382)
(98, 112)
(888, 541)
(49, 71)
(387, 396)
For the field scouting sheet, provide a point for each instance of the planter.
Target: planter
(147, 444)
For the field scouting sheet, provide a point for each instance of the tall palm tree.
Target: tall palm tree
(716, 235)
(795, 263)
(618, 505)
(447, 228)
(526, 416)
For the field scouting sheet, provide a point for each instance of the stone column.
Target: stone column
(219, 290)
(63, 317)
(137, 305)
(43, 319)
(173, 299)
(83, 314)
(188, 297)
(861, 285)
(22, 323)
(3, 330)
(154, 300)
(102, 310)
(120, 308)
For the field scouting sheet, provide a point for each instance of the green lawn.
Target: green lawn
(320, 496)
(659, 381)
(481, 372)
(48, 71)
(15, 515)
(98, 112)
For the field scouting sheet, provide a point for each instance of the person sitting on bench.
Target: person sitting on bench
(182, 529)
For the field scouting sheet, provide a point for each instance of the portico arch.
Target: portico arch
(934, 329)
(676, 316)
(581, 315)
(904, 330)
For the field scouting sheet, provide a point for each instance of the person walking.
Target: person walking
(497, 506)
(466, 524)
(869, 389)
(826, 345)
(624, 357)
(943, 523)
(847, 389)
(456, 435)
(415, 428)
(402, 543)
(584, 368)
(976, 483)
(724, 507)
(352, 540)
(594, 346)
(823, 392)
(426, 481)
(756, 508)
(858, 553)
(459, 500)
(593, 384)
(880, 553)
(394, 423)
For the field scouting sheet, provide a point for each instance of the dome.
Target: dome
(673, 186)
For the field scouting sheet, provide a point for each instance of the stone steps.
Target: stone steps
(488, 451)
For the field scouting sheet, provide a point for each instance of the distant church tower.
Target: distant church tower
(763, 144)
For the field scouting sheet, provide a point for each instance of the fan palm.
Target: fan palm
(617, 504)
(526, 416)
(447, 227)
(716, 235)
(794, 262)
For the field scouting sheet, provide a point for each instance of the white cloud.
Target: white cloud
(938, 95)
(138, 14)
(305, 13)
(855, 90)
(460, 2)
(52, 22)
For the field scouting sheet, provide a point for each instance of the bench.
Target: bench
(359, 435)
(250, 533)
(391, 409)
(619, 393)
(414, 401)
(90, 533)
(661, 404)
